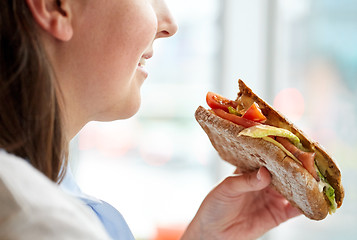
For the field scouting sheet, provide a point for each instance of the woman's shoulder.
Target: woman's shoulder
(15, 168)
(20, 177)
(22, 183)
(33, 206)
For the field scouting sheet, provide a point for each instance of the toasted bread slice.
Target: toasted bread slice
(288, 177)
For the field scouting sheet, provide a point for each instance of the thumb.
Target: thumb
(248, 182)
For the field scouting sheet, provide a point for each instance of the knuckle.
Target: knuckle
(251, 180)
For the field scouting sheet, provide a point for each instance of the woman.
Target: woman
(67, 62)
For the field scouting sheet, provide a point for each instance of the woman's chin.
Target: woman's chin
(128, 112)
(132, 109)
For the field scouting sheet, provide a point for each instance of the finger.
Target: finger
(248, 182)
(292, 212)
(237, 171)
(273, 192)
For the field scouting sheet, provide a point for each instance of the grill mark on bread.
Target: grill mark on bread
(262, 161)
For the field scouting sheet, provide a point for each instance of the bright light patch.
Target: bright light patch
(156, 149)
(290, 102)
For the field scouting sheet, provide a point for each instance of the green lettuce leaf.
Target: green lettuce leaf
(328, 189)
(232, 110)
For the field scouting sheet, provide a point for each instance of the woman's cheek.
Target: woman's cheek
(146, 28)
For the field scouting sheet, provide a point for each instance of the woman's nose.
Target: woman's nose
(167, 25)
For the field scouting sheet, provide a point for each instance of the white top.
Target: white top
(33, 207)
(112, 220)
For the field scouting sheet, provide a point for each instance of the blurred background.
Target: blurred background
(299, 55)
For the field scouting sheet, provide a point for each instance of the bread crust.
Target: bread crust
(326, 164)
(289, 178)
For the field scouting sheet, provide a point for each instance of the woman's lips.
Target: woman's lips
(142, 63)
(147, 55)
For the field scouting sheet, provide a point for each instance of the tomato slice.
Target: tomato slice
(216, 101)
(235, 119)
(255, 114)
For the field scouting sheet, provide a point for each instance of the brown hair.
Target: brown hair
(30, 121)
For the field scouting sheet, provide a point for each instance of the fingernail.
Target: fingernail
(259, 177)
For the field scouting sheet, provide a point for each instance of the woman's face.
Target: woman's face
(101, 68)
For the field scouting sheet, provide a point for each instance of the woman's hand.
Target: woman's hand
(241, 207)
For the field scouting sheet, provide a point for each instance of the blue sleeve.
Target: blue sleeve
(111, 218)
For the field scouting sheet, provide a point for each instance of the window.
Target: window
(315, 53)
(157, 167)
